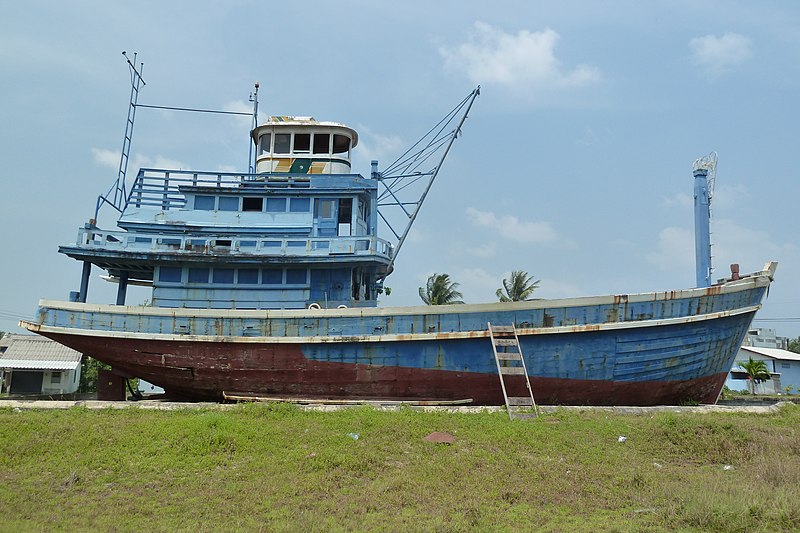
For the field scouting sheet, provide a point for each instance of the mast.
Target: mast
(704, 170)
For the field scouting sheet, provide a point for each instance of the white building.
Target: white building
(30, 364)
(783, 366)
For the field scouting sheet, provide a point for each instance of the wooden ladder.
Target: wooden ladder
(508, 356)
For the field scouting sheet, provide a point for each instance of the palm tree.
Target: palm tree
(757, 372)
(519, 286)
(440, 291)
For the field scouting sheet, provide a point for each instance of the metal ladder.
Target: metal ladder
(505, 345)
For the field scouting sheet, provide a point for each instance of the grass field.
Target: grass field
(280, 468)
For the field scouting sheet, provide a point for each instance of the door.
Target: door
(327, 215)
(26, 382)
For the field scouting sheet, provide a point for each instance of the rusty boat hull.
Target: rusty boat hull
(639, 349)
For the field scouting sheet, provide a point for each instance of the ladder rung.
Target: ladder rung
(502, 329)
(505, 342)
(509, 356)
(520, 401)
(512, 370)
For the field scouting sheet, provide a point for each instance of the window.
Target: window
(786, 365)
(282, 141)
(302, 143)
(276, 205)
(299, 205)
(325, 208)
(296, 276)
(204, 203)
(169, 274)
(55, 378)
(272, 276)
(223, 275)
(322, 143)
(228, 203)
(341, 144)
(198, 275)
(248, 276)
(252, 204)
(264, 142)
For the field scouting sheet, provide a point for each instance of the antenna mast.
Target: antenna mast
(117, 195)
(251, 158)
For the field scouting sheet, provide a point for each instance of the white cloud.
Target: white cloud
(679, 200)
(674, 250)
(716, 56)
(512, 228)
(374, 146)
(524, 60)
(110, 159)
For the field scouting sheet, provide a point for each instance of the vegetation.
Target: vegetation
(279, 468)
(794, 345)
(440, 290)
(518, 287)
(89, 374)
(757, 372)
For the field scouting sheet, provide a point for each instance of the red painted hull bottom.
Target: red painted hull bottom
(206, 370)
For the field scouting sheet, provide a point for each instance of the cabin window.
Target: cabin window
(169, 274)
(341, 144)
(264, 143)
(296, 276)
(272, 276)
(325, 208)
(247, 244)
(223, 275)
(252, 204)
(198, 275)
(248, 276)
(55, 378)
(204, 203)
(276, 205)
(322, 143)
(228, 203)
(302, 143)
(282, 141)
(299, 205)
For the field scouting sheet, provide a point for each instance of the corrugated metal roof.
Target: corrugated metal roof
(775, 353)
(34, 352)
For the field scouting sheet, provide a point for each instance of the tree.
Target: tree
(440, 290)
(757, 372)
(518, 287)
(794, 345)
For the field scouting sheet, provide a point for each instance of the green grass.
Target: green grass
(280, 468)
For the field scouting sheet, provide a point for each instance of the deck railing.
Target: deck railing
(161, 188)
(233, 245)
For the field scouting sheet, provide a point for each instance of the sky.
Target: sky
(575, 163)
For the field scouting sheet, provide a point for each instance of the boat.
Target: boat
(266, 284)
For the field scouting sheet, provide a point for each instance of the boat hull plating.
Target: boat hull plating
(646, 349)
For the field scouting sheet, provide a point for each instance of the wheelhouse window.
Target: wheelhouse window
(282, 143)
(341, 144)
(204, 203)
(302, 143)
(264, 142)
(322, 143)
(252, 204)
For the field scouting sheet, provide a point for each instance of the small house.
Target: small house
(783, 366)
(30, 364)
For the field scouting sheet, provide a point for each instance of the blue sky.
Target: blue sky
(575, 163)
